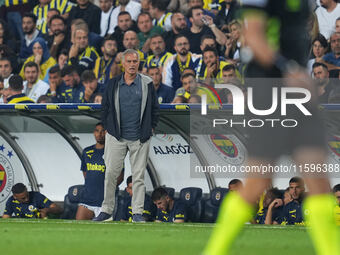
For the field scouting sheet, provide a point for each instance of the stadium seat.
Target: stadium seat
(192, 198)
(71, 201)
(170, 191)
(212, 205)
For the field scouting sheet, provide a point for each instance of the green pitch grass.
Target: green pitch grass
(49, 237)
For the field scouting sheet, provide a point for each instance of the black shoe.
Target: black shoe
(138, 218)
(103, 217)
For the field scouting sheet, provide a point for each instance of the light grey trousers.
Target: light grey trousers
(114, 154)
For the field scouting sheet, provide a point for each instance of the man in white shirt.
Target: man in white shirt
(33, 87)
(129, 6)
(106, 21)
(327, 15)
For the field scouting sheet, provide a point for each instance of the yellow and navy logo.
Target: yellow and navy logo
(334, 146)
(224, 145)
(227, 147)
(187, 196)
(6, 172)
(32, 208)
(218, 196)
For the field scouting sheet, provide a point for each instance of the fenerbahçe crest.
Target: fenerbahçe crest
(6, 174)
(228, 148)
(334, 146)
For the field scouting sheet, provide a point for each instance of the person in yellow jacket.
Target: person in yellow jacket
(41, 56)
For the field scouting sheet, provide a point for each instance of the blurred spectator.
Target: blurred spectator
(332, 59)
(1, 90)
(93, 168)
(195, 99)
(62, 58)
(90, 83)
(313, 26)
(180, 100)
(5, 95)
(6, 37)
(74, 92)
(106, 21)
(41, 56)
(337, 25)
(174, 5)
(50, 13)
(336, 191)
(81, 55)
(200, 4)
(41, 10)
(149, 207)
(125, 23)
(59, 38)
(319, 49)
(7, 52)
(29, 23)
(188, 89)
(212, 66)
(14, 11)
(147, 30)
(235, 185)
(94, 39)
(233, 44)
(102, 67)
(158, 11)
(292, 212)
(227, 13)
(327, 15)
(44, 99)
(130, 6)
(33, 86)
(24, 204)
(14, 91)
(168, 210)
(56, 84)
(178, 24)
(208, 40)
(201, 25)
(176, 64)
(165, 94)
(229, 74)
(130, 41)
(159, 55)
(89, 12)
(5, 71)
(145, 4)
(324, 85)
(98, 97)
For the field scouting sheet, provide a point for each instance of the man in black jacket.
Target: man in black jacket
(130, 114)
(89, 12)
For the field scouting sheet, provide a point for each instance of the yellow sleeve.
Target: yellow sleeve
(45, 66)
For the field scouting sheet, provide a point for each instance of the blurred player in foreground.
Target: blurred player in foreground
(280, 55)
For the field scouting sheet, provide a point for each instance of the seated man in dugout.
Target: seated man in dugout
(168, 209)
(24, 204)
